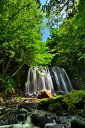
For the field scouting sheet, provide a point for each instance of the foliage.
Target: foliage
(75, 100)
(68, 42)
(20, 38)
(72, 103)
(43, 57)
(8, 85)
(58, 10)
(20, 34)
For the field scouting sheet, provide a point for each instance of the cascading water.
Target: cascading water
(40, 78)
(61, 80)
(16, 118)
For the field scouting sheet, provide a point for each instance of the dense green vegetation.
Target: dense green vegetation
(72, 103)
(68, 43)
(20, 40)
(21, 43)
(58, 10)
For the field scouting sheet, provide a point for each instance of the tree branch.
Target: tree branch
(8, 65)
(18, 70)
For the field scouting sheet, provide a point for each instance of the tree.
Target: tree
(20, 37)
(68, 42)
(57, 11)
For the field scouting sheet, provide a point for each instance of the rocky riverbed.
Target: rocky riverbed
(29, 115)
(62, 111)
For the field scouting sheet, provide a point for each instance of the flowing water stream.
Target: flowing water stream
(16, 120)
(41, 78)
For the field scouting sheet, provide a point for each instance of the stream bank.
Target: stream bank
(29, 116)
(62, 111)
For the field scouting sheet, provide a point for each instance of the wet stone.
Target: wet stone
(12, 116)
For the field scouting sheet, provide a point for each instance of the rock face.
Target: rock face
(12, 116)
(44, 94)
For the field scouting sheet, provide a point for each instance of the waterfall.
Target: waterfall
(61, 80)
(38, 79)
(41, 78)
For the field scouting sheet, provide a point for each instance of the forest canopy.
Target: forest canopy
(68, 42)
(20, 38)
(21, 22)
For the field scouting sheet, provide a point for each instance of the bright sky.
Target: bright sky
(43, 1)
(46, 34)
(45, 31)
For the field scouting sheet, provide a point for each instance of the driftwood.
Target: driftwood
(17, 102)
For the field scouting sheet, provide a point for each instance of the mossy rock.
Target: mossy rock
(51, 104)
(72, 102)
(75, 100)
(54, 107)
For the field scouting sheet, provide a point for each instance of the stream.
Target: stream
(16, 118)
(29, 116)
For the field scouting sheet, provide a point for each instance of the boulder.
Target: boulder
(44, 94)
(78, 123)
(41, 118)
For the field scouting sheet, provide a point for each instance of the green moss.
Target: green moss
(59, 97)
(73, 102)
(44, 99)
(54, 107)
(52, 104)
(58, 104)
